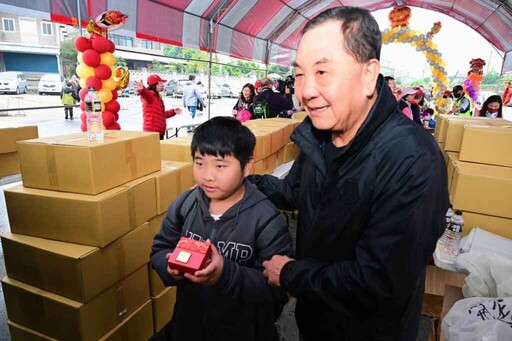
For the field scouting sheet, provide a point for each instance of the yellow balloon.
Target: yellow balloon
(102, 107)
(82, 83)
(84, 71)
(79, 57)
(105, 95)
(109, 84)
(108, 58)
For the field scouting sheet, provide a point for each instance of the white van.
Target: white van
(13, 81)
(50, 83)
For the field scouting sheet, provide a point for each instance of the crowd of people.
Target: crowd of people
(414, 104)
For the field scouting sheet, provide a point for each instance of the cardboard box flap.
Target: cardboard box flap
(482, 170)
(36, 291)
(80, 139)
(67, 195)
(75, 251)
(19, 332)
(9, 135)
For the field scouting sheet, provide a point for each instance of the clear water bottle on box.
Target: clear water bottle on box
(442, 241)
(454, 235)
(94, 120)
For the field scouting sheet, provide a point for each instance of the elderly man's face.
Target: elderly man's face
(333, 86)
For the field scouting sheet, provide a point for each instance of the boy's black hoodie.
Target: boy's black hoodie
(241, 305)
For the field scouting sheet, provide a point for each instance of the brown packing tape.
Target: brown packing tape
(121, 260)
(51, 166)
(131, 158)
(131, 208)
(121, 304)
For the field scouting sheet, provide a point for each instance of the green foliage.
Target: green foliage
(120, 61)
(156, 65)
(68, 55)
(491, 78)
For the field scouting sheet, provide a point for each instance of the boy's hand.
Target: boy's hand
(174, 273)
(211, 273)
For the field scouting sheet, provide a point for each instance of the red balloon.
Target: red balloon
(82, 93)
(103, 71)
(100, 44)
(114, 95)
(82, 105)
(108, 118)
(82, 44)
(111, 46)
(94, 82)
(91, 58)
(114, 126)
(116, 115)
(83, 117)
(83, 127)
(112, 106)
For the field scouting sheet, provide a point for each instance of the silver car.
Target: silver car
(13, 82)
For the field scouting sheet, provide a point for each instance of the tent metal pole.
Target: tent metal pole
(79, 17)
(210, 40)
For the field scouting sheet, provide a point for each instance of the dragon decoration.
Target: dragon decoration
(96, 67)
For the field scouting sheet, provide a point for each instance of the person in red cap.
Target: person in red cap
(153, 108)
(257, 87)
(444, 105)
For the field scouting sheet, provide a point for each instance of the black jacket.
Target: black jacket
(277, 103)
(366, 227)
(241, 305)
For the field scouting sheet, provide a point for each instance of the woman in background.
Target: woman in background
(244, 107)
(492, 107)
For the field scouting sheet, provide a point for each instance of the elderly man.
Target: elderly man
(370, 187)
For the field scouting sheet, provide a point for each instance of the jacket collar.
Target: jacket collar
(311, 140)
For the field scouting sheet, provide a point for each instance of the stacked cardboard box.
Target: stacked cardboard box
(480, 171)
(82, 226)
(8, 151)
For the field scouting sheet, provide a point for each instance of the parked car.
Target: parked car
(50, 83)
(215, 91)
(13, 81)
(227, 91)
(129, 90)
(175, 87)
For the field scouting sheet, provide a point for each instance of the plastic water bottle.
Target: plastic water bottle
(454, 234)
(442, 241)
(93, 116)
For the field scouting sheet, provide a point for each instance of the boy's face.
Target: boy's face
(220, 178)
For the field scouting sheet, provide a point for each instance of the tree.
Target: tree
(120, 61)
(156, 65)
(68, 55)
(491, 78)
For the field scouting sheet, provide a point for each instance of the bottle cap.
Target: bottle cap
(92, 88)
(458, 212)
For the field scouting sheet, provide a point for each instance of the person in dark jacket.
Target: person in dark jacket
(277, 103)
(153, 108)
(370, 188)
(230, 299)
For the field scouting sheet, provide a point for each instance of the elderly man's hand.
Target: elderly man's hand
(273, 268)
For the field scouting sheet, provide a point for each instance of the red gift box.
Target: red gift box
(189, 255)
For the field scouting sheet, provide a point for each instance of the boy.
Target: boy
(230, 299)
(68, 99)
(428, 119)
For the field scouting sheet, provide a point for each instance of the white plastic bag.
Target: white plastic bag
(479, 318)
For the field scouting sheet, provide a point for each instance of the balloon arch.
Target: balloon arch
(401, 33)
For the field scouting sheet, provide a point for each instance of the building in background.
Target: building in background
(29, 45)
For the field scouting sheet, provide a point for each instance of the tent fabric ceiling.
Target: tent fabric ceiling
(263, 30)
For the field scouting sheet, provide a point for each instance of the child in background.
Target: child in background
(428, 119)
(230, 299)
(67, 96)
